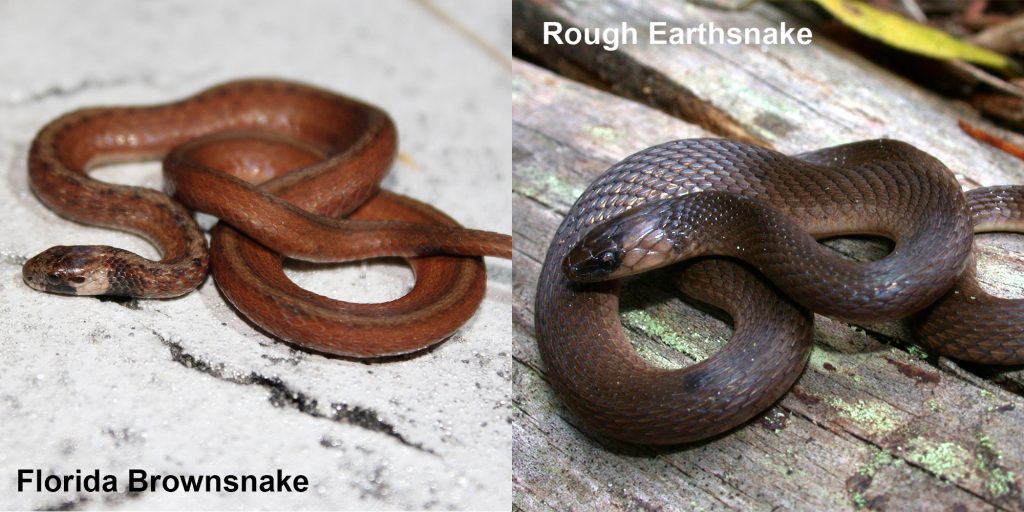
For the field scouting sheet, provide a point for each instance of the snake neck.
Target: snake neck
(89, 270)
(813, 275)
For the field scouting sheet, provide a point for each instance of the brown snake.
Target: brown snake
(318, 155)
(713, 197)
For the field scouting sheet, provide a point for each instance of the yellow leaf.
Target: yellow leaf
(899, 32)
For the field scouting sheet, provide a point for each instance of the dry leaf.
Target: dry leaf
(899, 32)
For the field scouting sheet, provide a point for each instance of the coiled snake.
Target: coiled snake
(318, 155)
(713, 197)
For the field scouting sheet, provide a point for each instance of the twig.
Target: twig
(992, 140)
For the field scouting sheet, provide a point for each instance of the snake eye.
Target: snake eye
(608, 260)
(53, 278)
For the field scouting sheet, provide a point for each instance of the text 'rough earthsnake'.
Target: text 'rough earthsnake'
(305, 166)
(714, 197)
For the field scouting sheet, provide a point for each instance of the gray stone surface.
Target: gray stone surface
(186, 386)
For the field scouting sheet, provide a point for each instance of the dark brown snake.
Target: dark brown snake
(318, 155)
(713, 197)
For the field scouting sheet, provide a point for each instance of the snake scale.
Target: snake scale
(292, 171)
(720, 198)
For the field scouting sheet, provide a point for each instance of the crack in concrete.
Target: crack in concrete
(284, 396)
(68, 504)
(80, 500)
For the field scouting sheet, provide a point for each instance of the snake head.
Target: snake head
(69, 270)
(622, 246)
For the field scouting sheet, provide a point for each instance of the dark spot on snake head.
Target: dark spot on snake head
(67, 270)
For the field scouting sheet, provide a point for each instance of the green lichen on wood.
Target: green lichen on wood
(859, 500)
(952, 462)
(666, 333)
(917, 352)
(985, 442)
(880, 459)
(605, 133)
(943, 459)
(999, 482)
(818, 358)
(987, 395)
(535, 182)
(872, 415)
(991, 398)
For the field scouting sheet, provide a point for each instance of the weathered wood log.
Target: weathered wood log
(874, 421)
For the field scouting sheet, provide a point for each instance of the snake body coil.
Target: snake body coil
(712, 197)
(279, 161)
(969, 323)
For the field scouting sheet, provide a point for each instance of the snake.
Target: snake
(764, 213)
(292, 171)
(969, 323)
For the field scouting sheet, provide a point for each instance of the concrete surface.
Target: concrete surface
(185, 386)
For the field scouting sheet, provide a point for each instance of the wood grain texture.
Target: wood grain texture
(874, 422)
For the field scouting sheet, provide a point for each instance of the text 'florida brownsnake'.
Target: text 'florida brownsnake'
(713, 197)
(304, 167)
